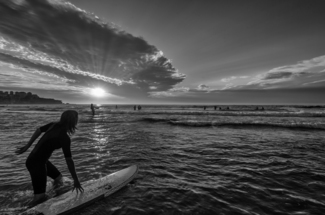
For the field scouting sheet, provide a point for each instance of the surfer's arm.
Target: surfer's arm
(71, 168)
(68, 158)
(73, 173)
(23, 149)
(36, 134)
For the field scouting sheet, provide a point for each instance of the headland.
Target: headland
(25, 98)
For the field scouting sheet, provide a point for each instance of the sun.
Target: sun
(98, 92)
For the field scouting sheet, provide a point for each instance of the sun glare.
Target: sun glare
(98, 92)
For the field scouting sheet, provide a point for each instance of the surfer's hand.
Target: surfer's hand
(77, 187)
(21, 150)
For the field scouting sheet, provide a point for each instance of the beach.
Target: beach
(240, 160)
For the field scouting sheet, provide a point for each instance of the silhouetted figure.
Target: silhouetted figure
(219, 108)
(256, 108)
(56, 135)
(227, 108)
(134, 107)
(116, 107)
(262, 108)
(139, 107)
(92, 109)
(204, 107)
(215, 107)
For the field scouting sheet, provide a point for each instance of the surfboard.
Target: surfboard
(93, 191)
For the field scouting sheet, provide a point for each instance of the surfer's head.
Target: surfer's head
(69, 119)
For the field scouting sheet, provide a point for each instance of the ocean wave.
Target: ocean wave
(248, 124)
(153, 119)
(32, 109)
(240, 113)
(245, 124)
(226, 113)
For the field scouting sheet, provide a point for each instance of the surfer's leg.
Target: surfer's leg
(38, 176)
(55, 174)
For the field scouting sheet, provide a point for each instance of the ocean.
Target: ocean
(191, 160)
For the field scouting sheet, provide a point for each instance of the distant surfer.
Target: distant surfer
(57, 135)
(92, 109)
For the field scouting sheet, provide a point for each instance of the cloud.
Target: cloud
(233, 78)
(203, 87)
(289, 79)
(229, 86)
(314, 65)
(176, 91)
(277, 75)
(180, 89)
(32, 80)
(55, 37)
(314, 82)
(162, 94)
(302, 73)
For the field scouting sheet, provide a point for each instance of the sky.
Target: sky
(165, 51)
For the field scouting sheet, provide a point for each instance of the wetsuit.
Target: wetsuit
(38, 163)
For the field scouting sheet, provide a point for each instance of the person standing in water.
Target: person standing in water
(92, 109)
(57, 135)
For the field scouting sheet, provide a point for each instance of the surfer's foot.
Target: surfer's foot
(38, 199)
(58, 182)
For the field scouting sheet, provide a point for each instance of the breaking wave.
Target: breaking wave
(197, 123)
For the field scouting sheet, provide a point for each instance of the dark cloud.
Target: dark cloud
(277, 75)
(158, 77)
(306, 74)
(59, 38)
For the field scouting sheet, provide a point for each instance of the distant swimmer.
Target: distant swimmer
(92, 109)
(57, 135)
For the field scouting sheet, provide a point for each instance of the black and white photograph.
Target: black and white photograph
(129, 107)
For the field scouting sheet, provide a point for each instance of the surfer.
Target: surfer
(92, 109)
(57, 135)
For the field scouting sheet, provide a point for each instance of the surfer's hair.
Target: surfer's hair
(69, 121)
